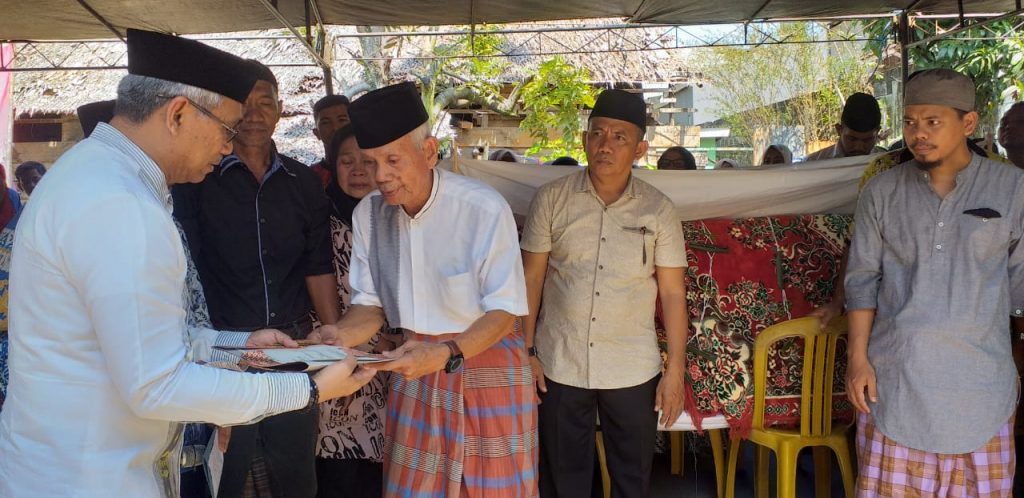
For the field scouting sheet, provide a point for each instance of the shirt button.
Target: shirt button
(272, 315)
(597, 293)
(264, 252)
(263, 220)
(591, 344)
(603, 239)
(1018, 312)
(593, 319)
(941, 224)
(938, 246)
(269, 281)
(600, 267)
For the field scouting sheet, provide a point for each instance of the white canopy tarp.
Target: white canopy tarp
(802, 188)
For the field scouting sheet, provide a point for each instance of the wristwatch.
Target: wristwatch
(531, 351)
(314, 394)
(455, 360)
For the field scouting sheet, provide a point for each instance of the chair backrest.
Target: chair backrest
(818, 370)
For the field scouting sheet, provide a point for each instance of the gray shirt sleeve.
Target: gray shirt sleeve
(1016, 263)
(864, 269)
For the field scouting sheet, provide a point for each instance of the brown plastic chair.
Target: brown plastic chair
(816, 427)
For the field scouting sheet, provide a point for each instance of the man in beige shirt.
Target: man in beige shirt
(600, 246)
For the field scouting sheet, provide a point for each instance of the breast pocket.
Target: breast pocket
(986, 237)
(461, 296)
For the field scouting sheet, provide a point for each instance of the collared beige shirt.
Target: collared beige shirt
(596, 323)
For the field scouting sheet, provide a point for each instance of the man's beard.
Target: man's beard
(926, 166)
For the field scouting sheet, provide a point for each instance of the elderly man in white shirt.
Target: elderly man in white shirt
(437, 254)
(100, 350)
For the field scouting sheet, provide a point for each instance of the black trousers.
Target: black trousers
(349, 478)
(285, 442)
(567, 420)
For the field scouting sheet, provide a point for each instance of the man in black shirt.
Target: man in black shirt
(258, 228)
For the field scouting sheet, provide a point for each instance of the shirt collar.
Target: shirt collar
(964, 174)
(276, 163)
(150, 173)
(433, 195)
(586, 185)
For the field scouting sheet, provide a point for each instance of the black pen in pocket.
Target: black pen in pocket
(643, 239)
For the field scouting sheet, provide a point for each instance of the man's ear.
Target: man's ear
(316, 133)
(839, 129)
(641, 149)
(174, 113)
(970, 121)
(430, 147)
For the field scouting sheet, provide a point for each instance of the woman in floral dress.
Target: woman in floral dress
(350, 446)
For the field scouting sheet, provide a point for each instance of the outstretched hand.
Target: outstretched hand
(416, 359)
(267, 338)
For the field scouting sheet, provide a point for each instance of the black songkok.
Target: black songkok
(621, 105)
(861, 113)
(181, 60)
(94, 113)
(386, 114)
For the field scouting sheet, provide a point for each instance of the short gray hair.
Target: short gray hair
(419, 135)
(138, 97)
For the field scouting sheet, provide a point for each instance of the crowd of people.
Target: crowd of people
(176, 228)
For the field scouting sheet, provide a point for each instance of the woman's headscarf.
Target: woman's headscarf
(342, 203)
(787, 155)
(727, 164)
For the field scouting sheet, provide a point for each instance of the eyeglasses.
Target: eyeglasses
(232, 133)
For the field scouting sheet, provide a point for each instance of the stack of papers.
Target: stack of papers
(302, 359)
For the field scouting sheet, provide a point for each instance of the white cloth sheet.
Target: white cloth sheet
(801, 188)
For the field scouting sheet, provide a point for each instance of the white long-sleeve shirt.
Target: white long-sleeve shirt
(98, 336)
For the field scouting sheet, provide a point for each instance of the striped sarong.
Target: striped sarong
(472, 433)
(889, 469)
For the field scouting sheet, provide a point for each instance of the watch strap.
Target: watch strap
(314, 393)
(532, 351)
(453, 348)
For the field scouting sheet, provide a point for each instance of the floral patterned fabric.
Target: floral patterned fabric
(743, 276)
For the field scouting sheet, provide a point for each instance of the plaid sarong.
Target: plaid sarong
(888, 469)
(471, 433)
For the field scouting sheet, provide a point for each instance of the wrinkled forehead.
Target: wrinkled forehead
(610, 124)
(404, 150)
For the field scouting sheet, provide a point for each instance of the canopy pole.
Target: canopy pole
(758, 11)
(309, 28)
(298, 36)
(472, 29)
(903, 36)
(961, 29)
(101, 19)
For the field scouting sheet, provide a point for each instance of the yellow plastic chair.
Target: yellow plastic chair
(816, 428)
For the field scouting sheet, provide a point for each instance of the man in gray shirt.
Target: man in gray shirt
(934, 275)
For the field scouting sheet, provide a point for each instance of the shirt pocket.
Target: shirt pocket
(985, 237)
(461, 297)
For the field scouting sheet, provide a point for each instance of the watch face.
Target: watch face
(454, 364)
